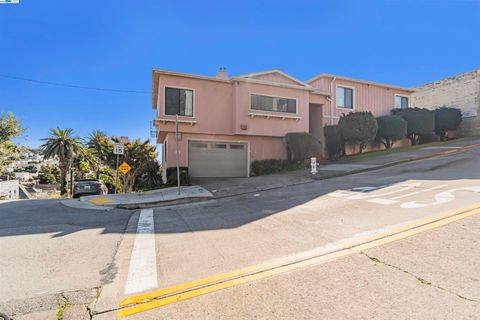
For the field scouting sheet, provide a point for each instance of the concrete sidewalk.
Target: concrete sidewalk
(154, 198)
(226, 187)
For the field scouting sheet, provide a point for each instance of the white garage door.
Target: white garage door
(217, 159)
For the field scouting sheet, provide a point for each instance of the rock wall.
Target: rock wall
(461, 91)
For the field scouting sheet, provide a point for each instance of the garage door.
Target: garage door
(217, 159)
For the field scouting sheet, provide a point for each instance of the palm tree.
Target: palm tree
(101, 147)
(61, 144)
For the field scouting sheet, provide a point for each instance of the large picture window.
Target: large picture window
(344, 98)
(275, 104)
(179, 101)
(401, 102)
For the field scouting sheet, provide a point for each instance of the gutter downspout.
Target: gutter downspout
(331, 99)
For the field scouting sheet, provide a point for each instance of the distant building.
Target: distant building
(461, 91)
(9, 190)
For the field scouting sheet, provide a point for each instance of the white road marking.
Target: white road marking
(142, 272)
(382, 201)
(442, 197)
(420, 191)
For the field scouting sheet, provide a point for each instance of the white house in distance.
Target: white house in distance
(461, 91)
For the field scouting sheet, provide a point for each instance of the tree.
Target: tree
(63, 145)
(101, 147)
(333, 141)
(47, 175)
(10, 127)
(150, 176)
(301, 145)
(137, 154)
(419, 122)
(446, 119)
(358, 128)
(390, 129)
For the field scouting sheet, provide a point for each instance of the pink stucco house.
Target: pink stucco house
(225, 123)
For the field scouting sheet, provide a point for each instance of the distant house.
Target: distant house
(461, 91)
(9, 190)
(226, 123)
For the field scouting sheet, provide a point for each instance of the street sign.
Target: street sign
(118, 148)
(124, 167)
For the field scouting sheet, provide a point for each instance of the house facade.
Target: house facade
(460, 91)
(226, 123)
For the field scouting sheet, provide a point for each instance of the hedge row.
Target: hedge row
(360, 128)
(268, 166)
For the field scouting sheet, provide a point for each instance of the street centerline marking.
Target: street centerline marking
(142, 272)
(199, 287)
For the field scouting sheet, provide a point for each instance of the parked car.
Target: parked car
(88, 187)
(110, 187)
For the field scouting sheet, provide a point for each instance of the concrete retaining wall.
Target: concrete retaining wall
(461, 91)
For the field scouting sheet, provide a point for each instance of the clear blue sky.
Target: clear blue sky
(114, 44)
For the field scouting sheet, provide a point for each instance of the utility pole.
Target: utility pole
(178, 155)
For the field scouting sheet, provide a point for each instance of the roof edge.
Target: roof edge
(328, 75)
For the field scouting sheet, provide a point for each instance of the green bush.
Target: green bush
(420, 122)
(333, 141)
(301, 145)
(390, 129)
(268, 166)
(446, 119)
(358, 128)
(172, 176)
(429, 138)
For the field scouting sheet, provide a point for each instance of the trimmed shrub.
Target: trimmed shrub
(429, 138)
(268, 166)
(301, 145)
(390, 129)
(446, 119)
(358, 128)
(333, 141)
(172, 176)
(420, 122)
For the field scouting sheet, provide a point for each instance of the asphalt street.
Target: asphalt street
(207, 240)
(48, 249)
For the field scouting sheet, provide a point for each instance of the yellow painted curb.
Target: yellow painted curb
(98, 201)
(195, 288)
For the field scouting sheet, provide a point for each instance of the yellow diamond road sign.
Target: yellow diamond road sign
(124, 167)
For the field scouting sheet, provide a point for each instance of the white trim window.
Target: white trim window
(345, 97)
(401, 102)
(178, 101)
(273, 104)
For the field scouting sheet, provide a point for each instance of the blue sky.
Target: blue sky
(114, 44)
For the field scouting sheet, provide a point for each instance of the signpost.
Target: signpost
(118, 149)
(125, 168)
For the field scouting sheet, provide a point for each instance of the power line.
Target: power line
(67, 85)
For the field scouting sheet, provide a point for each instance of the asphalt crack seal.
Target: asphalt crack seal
(419, 279)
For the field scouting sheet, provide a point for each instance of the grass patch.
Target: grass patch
(379, 153)
(61, 310)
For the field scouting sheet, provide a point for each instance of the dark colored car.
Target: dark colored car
(89, 187)
(110, 187)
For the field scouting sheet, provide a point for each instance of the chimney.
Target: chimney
(222, 73)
